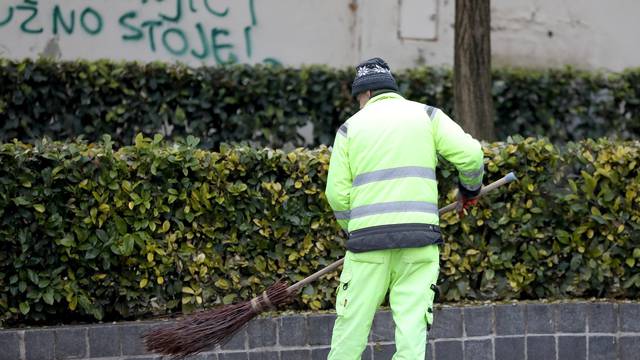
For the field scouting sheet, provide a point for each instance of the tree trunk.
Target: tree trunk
(472, 68)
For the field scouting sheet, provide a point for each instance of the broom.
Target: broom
(205, 329)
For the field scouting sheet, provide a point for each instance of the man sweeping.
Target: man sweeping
(382, 187)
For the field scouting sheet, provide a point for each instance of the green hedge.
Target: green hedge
(87, 231)
(268, 104)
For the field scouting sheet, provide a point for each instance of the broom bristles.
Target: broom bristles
(208, 328)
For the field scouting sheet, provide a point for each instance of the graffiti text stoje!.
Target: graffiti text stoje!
(173, 31)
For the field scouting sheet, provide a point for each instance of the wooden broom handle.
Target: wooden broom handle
(485, 189)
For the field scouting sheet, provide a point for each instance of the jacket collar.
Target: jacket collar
(384, 96)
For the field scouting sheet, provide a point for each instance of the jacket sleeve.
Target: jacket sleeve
(462, 150)
(339, 179)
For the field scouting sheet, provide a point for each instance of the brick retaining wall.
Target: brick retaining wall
(529, 331)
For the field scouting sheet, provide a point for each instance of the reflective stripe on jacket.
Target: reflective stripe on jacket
(382, 180)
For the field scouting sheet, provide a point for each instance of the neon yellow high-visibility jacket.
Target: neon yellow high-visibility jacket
(382, 180)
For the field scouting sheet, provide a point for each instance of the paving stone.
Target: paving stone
(131, 338)
(478, 320)
(295, 354)
(541, 347)
(383, 328)
(367, 354)
(383, 352)
(264, 355)
(71, 343)
(293, 331)
(320, 329)
(429, 351)
(193, 357)
(448, 350)
(447, 323)
(629, 317)
(39, 344)
(572, 347)
(540, 319)
(237, 342)
(509, 348)
(509, 319)
(10, 345)
(262, 333)
(603, 348)
(571, 318)
(320, 354)
(233, 356)
(629, 347)
(478, 350)
(104, 341)
(602, 318)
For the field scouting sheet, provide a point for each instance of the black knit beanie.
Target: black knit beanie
(373, 74)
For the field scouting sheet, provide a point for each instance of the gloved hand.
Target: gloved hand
(464, 203)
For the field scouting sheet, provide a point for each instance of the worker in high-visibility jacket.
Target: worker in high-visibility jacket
(383, 190)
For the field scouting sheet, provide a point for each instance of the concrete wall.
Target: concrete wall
(531, 331)
(590, 34)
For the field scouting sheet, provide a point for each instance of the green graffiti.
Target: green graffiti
(205, 47)
(218, 47)
(204, 43)
(98, 21)
(216, 13)
(181, 36)
(25, 23)
(252, 10)
(152, 24)
(178, 14)
(137, 34)
(58, 18)
(272, 61)
(247, 40)
(9, 17)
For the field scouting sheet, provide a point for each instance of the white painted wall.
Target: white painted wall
(590, 34)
